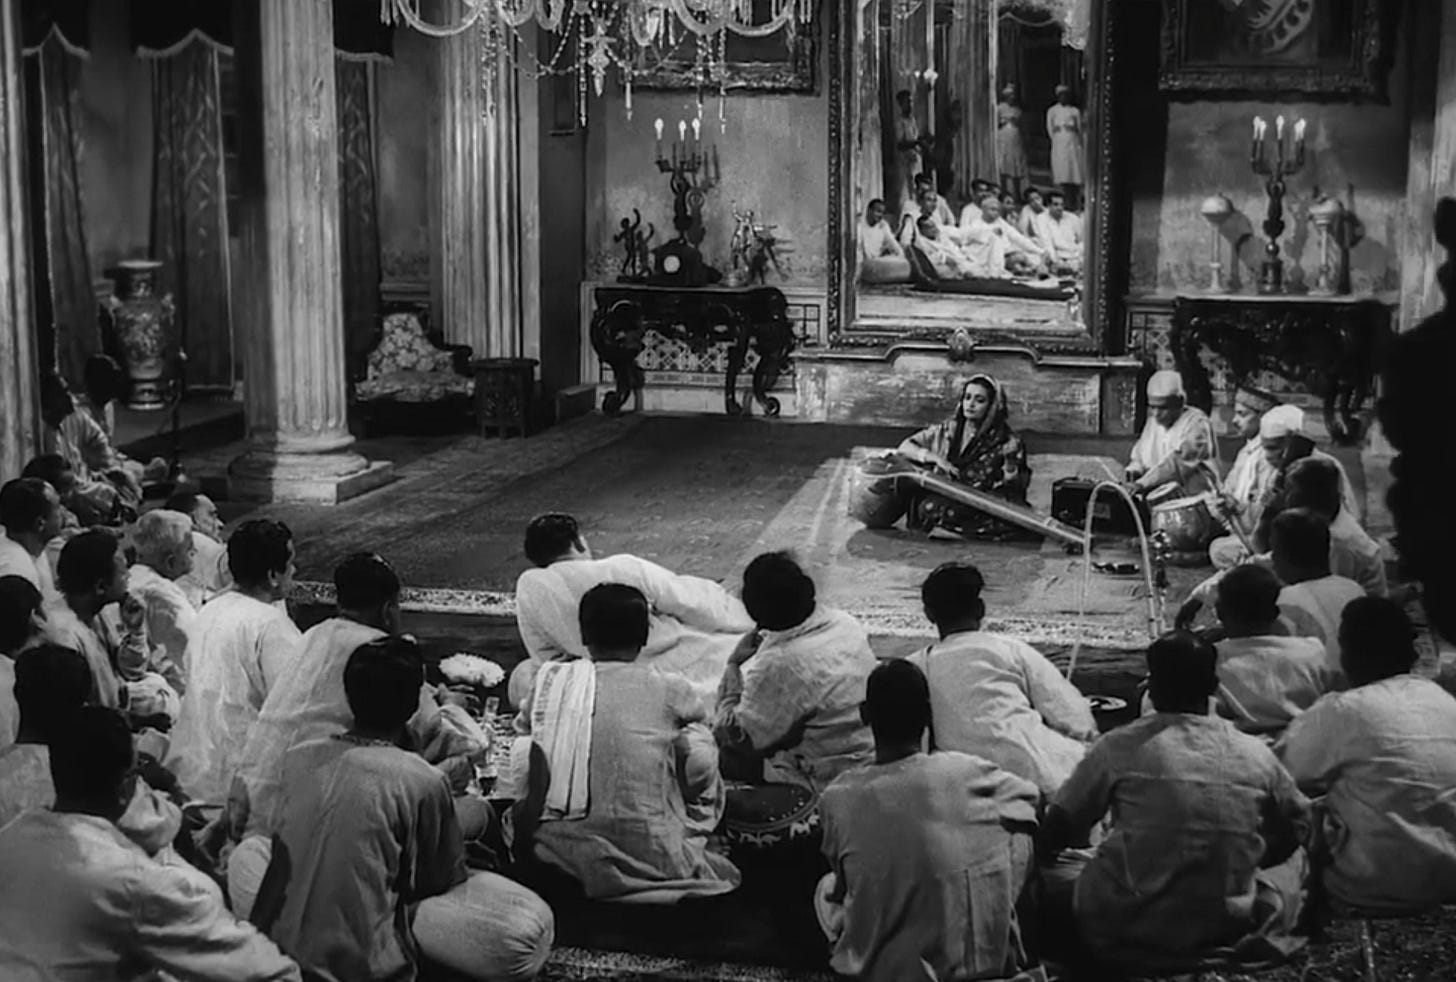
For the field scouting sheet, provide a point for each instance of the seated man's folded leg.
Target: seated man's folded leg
(701, 780)
(489, 929)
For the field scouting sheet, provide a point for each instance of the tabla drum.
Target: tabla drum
(874, 494)
(1186, 522)
(763, 822)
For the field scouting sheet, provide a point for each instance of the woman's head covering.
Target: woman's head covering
(996, 415)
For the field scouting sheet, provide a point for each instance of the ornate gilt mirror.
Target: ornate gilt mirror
(1004, 107)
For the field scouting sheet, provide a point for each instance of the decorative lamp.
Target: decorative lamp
(1216, 210)
(1324, 214)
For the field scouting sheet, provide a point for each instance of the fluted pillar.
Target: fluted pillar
(485, 207)
(291, 310)
(19, 418)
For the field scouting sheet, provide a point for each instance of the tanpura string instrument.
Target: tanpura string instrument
(897, 469)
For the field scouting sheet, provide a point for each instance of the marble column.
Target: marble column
(485, 208)
(291, 309)
(19, 417)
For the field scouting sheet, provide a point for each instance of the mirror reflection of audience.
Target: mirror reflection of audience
(1010, 145)
(995, 248)
(1382, 758)
(624, 782)
(940, 208)
(75, 890)
(909, 160)
(929, 853)
(1064, 126)
(367, 876)
(1177, 442)
(1202, 864)
(881, 257)
(1060, 234)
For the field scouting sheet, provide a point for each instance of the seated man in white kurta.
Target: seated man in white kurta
(1059, 232)
(1248, 479)
(881, 257)
(1177, 442)
(996, 249)
(940, 208)
(940, 245)
(696, 623)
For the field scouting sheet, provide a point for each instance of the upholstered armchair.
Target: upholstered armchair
(412, 374)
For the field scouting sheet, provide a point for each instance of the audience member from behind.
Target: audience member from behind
(1266, 677)
(1313, 598)
(694, 623)
(209, 575)
(929, 853)
(623, 773)
(92, 575)
(51, 684)
(368, 872)
(22, 617)
(792, 688)
(239, 645)
(76, 892)
(1315, 483)
(30, 511)
(994, 696)
(1202, 865)
(308, 701)
(164, 554)
(1383, 755)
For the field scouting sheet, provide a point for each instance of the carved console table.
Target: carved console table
(1333, 345)
(698, 316)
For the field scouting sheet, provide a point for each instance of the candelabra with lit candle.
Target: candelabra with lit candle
(694, 172)
(1271, 272)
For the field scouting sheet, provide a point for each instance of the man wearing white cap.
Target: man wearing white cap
(1177, 443)
(1281, 432)
(1248, 479)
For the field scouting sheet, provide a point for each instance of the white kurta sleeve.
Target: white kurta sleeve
(695, 601)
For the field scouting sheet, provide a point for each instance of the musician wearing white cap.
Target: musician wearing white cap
(1177, 445)
(1241, 498)
(1281, 432)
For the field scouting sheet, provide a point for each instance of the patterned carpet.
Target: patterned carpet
(583, 965)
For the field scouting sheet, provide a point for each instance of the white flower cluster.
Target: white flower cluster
(473, 669)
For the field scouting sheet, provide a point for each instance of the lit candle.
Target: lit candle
(657, 125)
(1279, 127)
(682, 130)
(1256, 127)
(1299, 131)
(697, 131)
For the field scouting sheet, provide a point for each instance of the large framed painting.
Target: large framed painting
(780, 62)
(1305, 47)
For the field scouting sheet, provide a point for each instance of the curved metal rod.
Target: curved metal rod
(1155, 614)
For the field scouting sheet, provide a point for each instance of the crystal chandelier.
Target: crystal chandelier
(633, 36)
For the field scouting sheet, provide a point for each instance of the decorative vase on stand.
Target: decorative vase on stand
(142, 323)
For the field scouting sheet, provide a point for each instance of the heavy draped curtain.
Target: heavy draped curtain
(189, 208)
(869, 159)
(189, 229)
(66, 318)
(358, 212)
(971, 55)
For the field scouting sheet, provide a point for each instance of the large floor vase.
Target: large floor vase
(142, 322)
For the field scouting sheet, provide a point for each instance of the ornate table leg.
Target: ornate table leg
(616, 336)
(737, 353)
(772, 340)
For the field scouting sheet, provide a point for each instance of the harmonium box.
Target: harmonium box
(1111, 515)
